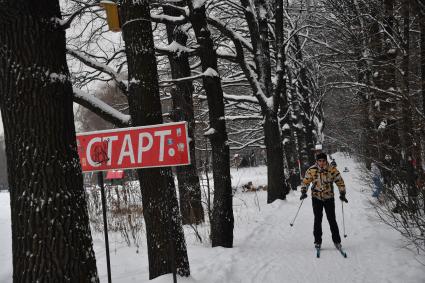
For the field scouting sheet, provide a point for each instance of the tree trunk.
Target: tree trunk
(281, 90)
(385, 64)
(407, 136)
(305, 104)
(259, 33)
(276, 188)
(51, 240)
(165, 238)
(422, 47)
(222, 217)
(187, 176)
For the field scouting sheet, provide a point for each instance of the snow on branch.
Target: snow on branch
(356, 84)
(100, 67)
(210, 72)
(182, 10)
(253, 141)
(226, 56)
(225, 30)
(244, 117)
(249, 72)
(325, 44)
(65, 24)
(240, 98)
(235, 98)
(166, 19)
(101, 108)
(174, 48)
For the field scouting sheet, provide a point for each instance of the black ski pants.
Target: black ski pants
(329, 206)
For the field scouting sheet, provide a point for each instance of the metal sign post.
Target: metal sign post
(105, 222)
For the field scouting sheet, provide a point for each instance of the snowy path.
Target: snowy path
(266, 249)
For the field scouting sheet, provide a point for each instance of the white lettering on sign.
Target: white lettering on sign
(89, 157)
(126, 150)
(139, 147)
(162, 135)
(110, 140)
(144, 148)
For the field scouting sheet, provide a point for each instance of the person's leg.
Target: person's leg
(318, 215)
(330, 215)
(376, 187)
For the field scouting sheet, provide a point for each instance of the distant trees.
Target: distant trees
(51, 239)
(384, 75)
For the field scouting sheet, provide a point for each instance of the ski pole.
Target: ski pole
(292, 223)
(343, 221)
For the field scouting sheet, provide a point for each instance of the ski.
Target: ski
(342, 252)
(317, 252)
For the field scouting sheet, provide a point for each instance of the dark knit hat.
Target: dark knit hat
(321, 155)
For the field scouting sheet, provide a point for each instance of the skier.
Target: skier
(294, 179)
(377, 179)
(321, 176)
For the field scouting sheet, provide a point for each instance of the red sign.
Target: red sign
(139, 147)
(114, 174)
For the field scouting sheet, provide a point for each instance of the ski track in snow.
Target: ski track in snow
(266, 249)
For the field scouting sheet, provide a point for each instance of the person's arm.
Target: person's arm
(308, 178)
(340, 184)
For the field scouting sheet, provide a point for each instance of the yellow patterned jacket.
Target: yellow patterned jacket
(321, 180)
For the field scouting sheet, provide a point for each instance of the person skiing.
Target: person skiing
(321, 175)
(377, 179)
(294, 179)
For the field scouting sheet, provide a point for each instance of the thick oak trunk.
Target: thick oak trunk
(51, 240)
(165, 238)
(259, 32)
(222, 216)
(276, 187)
(187, 176)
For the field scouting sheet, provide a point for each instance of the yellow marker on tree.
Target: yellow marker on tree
(112, 15)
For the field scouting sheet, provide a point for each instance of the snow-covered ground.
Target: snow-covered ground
(266, 249)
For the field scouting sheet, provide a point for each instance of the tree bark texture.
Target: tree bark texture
(421, 11)
(408, 143)
(407, 136)
(256, 17)
(51, 239)
(165, 237)
(276, 187)
(281, 89)
(187, 176)
(222, 217)
(303, 88)
(422, 46)
(384, 78)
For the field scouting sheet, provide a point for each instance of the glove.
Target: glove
(303, 195)
(342, 197)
